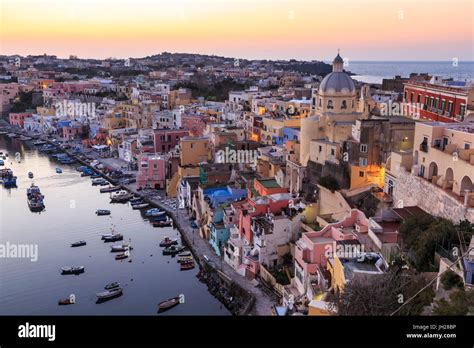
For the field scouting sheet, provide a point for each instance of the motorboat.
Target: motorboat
(168, 304)
(120, 248)
(112, 285)
(164, 223)
(35, 198)
(99, 181)
(109, 294)
(112, 238)
(65, 301)
(186, 265)
(154, 212)
(2, 163)
(167, 241)
(185, 256)
(78, 244)
(121, 256)
(140, 206)
(173, 250)
(101, 212)
(109, 189)
(72, 270)
(121, 196)
(7, 178)
(39, 142)
(59, 170)
(30, 175)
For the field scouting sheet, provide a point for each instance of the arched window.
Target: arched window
(320, 104)
(344, 105)
(330, 105)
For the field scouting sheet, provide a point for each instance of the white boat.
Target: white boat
(119, 194)
(99, 181)
(119, 248)
(140, 206)
(72, 270)
(154, 212)
(105, 295)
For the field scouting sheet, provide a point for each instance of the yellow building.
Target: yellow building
(194, 150)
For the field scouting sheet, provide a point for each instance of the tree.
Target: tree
(460, 302)
(451, 280)
(329, 182)
(381, 295)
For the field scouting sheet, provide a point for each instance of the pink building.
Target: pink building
(166, 139)
(151, 171)
(18, 119)
(72, 132)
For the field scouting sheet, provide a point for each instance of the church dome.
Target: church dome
(337, 82)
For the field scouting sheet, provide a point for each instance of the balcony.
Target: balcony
(424, 147)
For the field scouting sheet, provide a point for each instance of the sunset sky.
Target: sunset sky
(300, 29)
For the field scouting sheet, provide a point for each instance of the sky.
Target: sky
(390, 30)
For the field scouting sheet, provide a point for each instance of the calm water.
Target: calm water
(374, 72)
(33, 288)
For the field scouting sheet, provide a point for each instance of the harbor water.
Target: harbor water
(34, 287)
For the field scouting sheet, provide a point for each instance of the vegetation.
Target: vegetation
(383, 294)
(460, 302)
(329, 182)
(451, 280)
(217, 91)
(423, 234)
(23, 102)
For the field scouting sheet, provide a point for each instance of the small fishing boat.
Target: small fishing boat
(160, 218)
(173, 250)
(121, 256)
(112, 285)
(7, 178)
(95, 176)
(109, 294)
(101, 212)
(112, 238)
(2, 163)
(186, 265)
(39, 142)
(72, 270)
(185, 256)
(164, 223)
(99, 181)
(167, 241)
(154, 212)
(140, 206)
(121, 196)
(168, 304)
(119, 248)
(109, 189)
(35, 198)
(78, 244)
(30, 175)
(65, 301)
(59, 170)
(24, 138)
(136, 200)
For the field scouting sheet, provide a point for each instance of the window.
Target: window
(333, 152)
(443, 105)
(418, 99)
(320, 148)
(192, 145)
(363, 147)
(330, 105)
(362, 161)
(450, 106)
(462, 110)
(412, 96)
(467, 146)
(405, 95)
(361, 174)
(344, 105)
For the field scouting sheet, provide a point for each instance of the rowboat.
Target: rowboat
(109, 294)
(112, 285)
(120, 248)
(72, 270)
(30, 175)
(59, 170)
(163, 223)
(167, 241)
(109, 189)
(140, 206)
(78, 244)
(100, 212)
(65, 301)
(112, 238)
(154, 212)
(168, 304)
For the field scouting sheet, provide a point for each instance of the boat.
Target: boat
(167, 241)
(185, 256)
(95, 176)
(164, 223)
(112, 285)
(121, 196)
(173, 250)
(72, 270)
(39, 142)
(103, 183)
(30, 175)
(12, 135)
(109, 189)
(118, 248)
(115, 237)
(2, 163)
(101, 212)
(24, 138)
(98, 181)
(35, 198)
(7, 177)
(186, 265)
(140, 206)
(136, 200)
(109, 294)
(59, 170)
(168, 304)
(65, 301)
(87, 172)
(121, 256)
(160, 218)
(78, 244)
(68, 161)
(154, 212)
